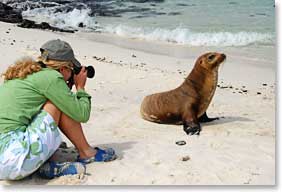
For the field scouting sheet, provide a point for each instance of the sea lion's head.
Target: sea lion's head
(211, 61)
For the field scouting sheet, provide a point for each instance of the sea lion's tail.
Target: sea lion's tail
(145, 113)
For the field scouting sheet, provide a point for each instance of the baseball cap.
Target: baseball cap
(58, 50)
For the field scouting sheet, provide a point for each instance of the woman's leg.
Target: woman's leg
(72, 130)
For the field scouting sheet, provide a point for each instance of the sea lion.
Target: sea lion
(187, 104)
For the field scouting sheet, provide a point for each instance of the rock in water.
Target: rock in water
(9, 15)
(43, 25)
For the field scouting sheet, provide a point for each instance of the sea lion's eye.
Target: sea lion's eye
(211, 57)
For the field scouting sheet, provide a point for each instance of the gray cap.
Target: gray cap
(58, 50)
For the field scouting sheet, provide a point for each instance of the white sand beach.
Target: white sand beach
(237, 149)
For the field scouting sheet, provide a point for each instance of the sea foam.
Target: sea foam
(187, 37)
(179, 35)
(70, 19)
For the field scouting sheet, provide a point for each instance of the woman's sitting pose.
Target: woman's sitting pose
(36, 101)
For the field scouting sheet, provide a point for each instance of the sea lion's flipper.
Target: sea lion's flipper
(192, 128)
(204, 118)
(191, 125)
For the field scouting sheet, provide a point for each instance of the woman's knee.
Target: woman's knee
(54, 111)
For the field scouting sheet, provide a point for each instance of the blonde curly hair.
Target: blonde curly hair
(26, 66)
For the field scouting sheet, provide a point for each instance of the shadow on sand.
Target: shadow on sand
(227, 119)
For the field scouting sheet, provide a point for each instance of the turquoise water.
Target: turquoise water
(201, 23)
(188, 22)
(204, 16)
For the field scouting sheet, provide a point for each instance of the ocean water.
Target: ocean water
(184, 22)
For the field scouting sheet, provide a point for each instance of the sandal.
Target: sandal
(53, 169)
(100, 156)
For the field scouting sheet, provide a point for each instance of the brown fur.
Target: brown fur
(190, 100)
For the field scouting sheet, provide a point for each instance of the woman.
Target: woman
(35, 101)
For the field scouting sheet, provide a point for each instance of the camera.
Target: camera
(90, 74)
(90, 71)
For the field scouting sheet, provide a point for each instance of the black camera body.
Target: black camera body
(90, 71)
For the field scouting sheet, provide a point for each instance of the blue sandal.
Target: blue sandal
(53, 169)
(100, 156)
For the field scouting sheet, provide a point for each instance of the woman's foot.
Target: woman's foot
(100, 155)
(53, 169)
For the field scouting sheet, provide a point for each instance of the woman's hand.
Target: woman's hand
(80, 79)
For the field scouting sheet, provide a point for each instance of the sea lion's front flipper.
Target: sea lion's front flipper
(191, 125)
(204, 118)
(192, 128)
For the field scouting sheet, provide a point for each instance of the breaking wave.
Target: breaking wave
(187, 37)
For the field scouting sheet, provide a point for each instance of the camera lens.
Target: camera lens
(89, 69)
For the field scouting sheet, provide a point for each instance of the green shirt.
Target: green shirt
(21, 99)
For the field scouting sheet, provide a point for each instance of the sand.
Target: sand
(238, 149)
